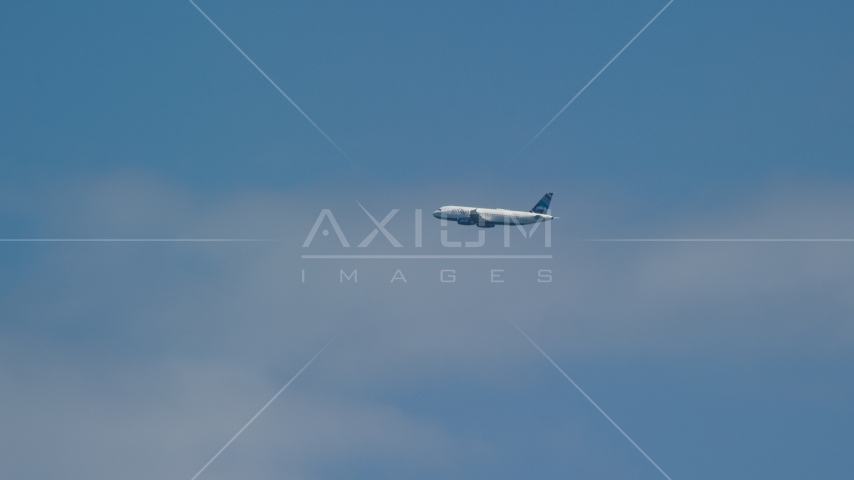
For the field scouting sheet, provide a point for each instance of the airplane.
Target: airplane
(490, 217)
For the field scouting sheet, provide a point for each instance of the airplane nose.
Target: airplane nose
(437, 214)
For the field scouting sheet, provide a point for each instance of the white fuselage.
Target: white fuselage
(489, 217)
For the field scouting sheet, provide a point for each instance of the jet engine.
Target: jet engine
(465, 221)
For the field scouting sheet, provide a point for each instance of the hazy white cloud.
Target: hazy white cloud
(141, 360)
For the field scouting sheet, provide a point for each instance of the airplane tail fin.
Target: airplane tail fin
(543, 205)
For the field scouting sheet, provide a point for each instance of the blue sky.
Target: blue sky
(723, 120)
